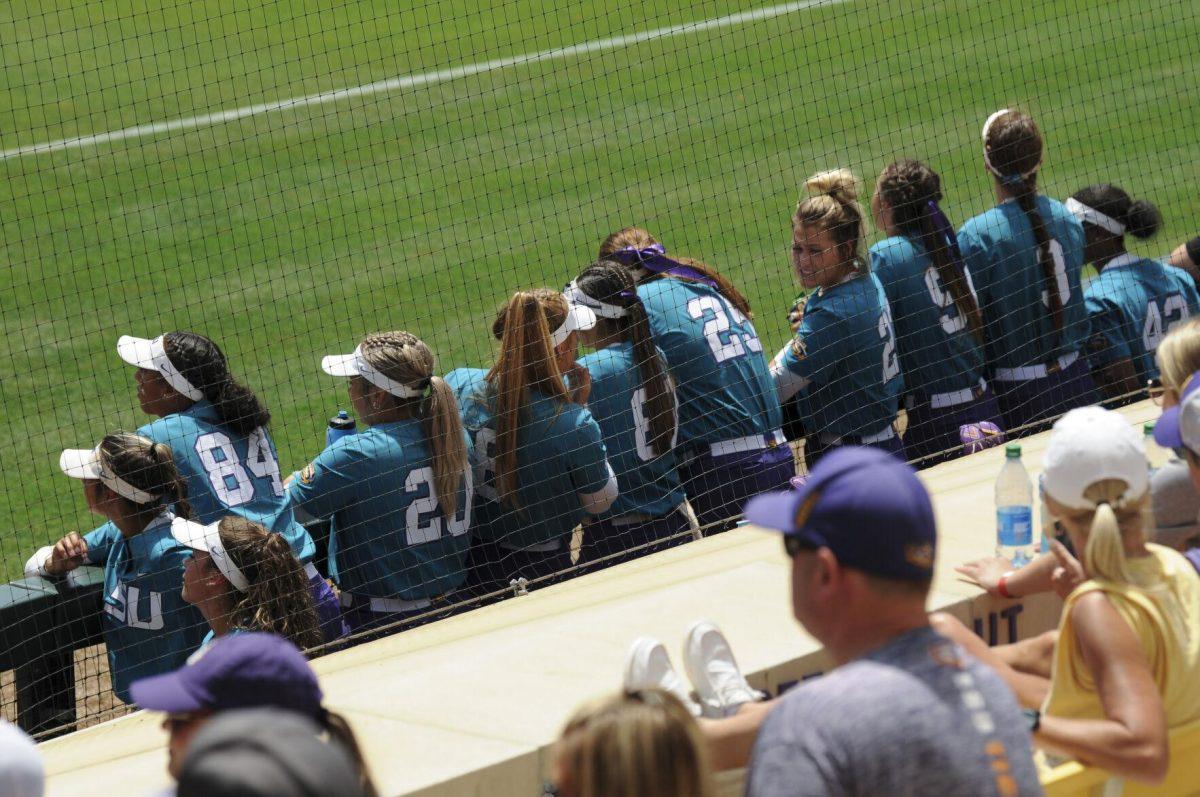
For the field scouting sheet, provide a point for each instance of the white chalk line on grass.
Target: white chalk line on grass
(410, 81)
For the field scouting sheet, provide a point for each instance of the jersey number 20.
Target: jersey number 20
(424, 521)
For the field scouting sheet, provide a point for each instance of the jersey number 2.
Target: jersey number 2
(891, 366)
(725, 342)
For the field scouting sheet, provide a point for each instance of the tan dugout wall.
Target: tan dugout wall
(470, 705)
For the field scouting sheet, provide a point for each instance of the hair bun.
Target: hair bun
(841, 184)
(1142, 220)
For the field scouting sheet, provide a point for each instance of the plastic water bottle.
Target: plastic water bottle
(1156, 455)
(340, 425)
(1014, 509)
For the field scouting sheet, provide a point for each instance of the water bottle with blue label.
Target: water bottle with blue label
(340, 425)
(1014, 509)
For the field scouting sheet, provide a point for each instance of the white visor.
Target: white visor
(1088, 445)
(1090, 215)
(83, 463)
(151, 355)
(208, 539)
(576, 296)
(988, 161)
(356, 365)
(578, 317)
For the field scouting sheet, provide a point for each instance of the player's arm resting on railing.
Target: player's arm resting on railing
(1187, 257)
(55, 560)
(1131, 741)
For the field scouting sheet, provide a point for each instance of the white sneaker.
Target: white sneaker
(649, 667)
(714, 672)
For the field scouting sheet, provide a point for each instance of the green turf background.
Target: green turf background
(288, 236)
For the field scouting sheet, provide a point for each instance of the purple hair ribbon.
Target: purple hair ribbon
(941, 226)
(654, 258)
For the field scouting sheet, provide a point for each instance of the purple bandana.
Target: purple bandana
(654, 258)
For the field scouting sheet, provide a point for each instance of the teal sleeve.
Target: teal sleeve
(814, 350)
(100, 541)
(587, 456)
(1106, 342)
(332, 481)
(975, 261)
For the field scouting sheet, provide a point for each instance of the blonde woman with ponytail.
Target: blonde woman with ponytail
(399, 492)
(539, 457)
(133, 482)
(243, 578)
(1121, 670)
(1025, 257)
(841, 369)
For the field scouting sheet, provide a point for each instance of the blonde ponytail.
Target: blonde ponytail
(444, 431)
(1115, 521)
(1104, 555)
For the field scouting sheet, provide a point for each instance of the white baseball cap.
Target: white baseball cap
(1088, 445)
(199, 537)
(578, 318)
(85, 463)
(355, 364)
(151, 355)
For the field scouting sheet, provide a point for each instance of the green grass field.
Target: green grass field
(287, 236)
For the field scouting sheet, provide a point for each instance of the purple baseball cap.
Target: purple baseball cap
(242, 670)
(866, 506)
(1180, 425)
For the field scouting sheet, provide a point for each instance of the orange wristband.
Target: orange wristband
(1002, 586)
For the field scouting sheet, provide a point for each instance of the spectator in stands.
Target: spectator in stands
(841, 368)
(148, 627)
(633, 744)
(1134, 301)
(1178, 359)
(399, 492)
(244, 578)
(539, 457)
(731, 445)
(1175, 505)
(1025, 256)
(861, 537)
(250, 670)
(217, 429)
(939, 326)
(633, 400)
(1122, 665)
(21, 770)
(266, 752)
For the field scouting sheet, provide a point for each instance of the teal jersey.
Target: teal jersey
(843, 359)
(389, 538)
(722, 380)
(148, 628)
(560, 455)
(1132, 305)
(226, 474)
(649, 484)
(937, 351)
(999, 250)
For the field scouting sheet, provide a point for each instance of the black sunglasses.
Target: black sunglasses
(1155, 390)
(794, 544)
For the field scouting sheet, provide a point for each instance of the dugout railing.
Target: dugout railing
(43, 621)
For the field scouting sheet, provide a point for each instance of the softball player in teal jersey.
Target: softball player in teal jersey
(539, 458)
(399, 492)
(1135, 301)
(148, 627)
(1025, 256)
(731, 444)
(633, 400)
(217, 431)
(841, 368)
(939, 326)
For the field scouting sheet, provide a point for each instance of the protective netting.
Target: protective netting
(287, 177)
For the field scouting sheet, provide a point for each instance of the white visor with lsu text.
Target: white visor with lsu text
(578, 318)
(199, 537)
(151, 355)
(84, 463)
(356, 365)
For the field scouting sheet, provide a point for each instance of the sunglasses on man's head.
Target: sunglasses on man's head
(794, 544)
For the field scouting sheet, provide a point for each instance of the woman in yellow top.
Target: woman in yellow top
(1125, 663)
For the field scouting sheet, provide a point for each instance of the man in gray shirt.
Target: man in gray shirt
(906, 712)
